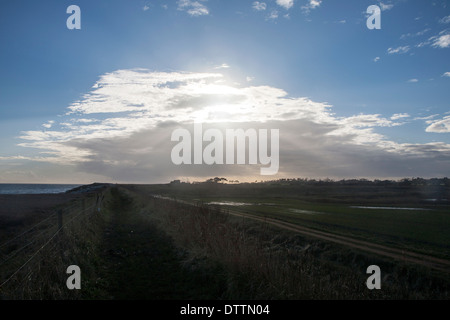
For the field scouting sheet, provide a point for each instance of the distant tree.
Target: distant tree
(216, 180)
(405, 182)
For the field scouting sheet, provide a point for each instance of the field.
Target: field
(396, 217)
(285, 240)
(421, 230)
(401, 224)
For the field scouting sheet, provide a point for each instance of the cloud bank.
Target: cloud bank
(121, 131)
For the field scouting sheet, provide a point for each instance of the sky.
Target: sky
(100, 103)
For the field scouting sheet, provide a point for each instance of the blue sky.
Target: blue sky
(389, 87)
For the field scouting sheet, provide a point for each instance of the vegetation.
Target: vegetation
(144, 244)
(338, 207)
(34, 262)
(268, 263)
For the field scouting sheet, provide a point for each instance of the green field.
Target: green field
(415, 224)
(426, 231)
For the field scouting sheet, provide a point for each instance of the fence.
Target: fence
(21, 254)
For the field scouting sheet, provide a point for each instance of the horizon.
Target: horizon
(235, 182)
(101, 101)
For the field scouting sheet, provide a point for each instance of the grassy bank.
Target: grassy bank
(35, 258)
(140, 261)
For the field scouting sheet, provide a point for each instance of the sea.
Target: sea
(19, 188)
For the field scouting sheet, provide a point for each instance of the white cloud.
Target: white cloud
(441, 41)
(417, 34)
(121, 130)
(445, 19)
(193, 8)
(315, 3)
(49, 124)
(439, 126)
(145, 8)
(385, 7)
(446, 74)
(376, 59)
(287, 4)
(222, 66)
(398, 50)
(423, 44)
(413, 80)
(259, 6)
(426, 118)
(312, 4)
(250, 79)
(273, 15)
(399, 116)
(366, 121)
(13, 158)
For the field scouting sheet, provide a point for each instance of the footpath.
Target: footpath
(140, 262)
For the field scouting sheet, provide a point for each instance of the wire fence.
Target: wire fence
(23, 250)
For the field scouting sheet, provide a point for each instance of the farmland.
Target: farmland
(214, 240)
(393, 216)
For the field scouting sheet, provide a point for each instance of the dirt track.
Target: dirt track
(394, 253)
(382, 250)
(397, 254)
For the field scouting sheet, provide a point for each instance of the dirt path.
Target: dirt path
(397, 254)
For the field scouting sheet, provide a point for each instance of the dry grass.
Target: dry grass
(266, 263)
(34, 265)
(256, 269)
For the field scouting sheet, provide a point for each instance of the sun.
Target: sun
(221, 102)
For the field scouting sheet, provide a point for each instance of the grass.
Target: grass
(39, 270)
(267, 263)
(142, 247)
(140, 262)
(424, 231)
